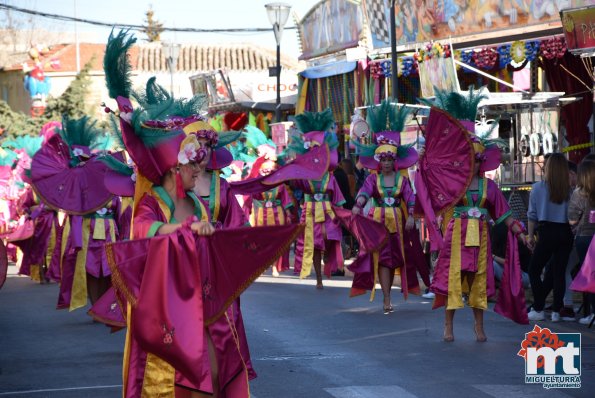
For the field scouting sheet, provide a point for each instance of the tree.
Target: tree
(72, 101)
(153, 27)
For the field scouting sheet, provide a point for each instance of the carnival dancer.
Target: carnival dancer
(392, 201)
(64, 172)
(185, 334)
(322, 236)
(272, 207)
(36, 237)
(451, 175)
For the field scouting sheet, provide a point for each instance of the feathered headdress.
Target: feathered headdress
(153, 132)
(464, 108)
(315, 127)
(386, 122)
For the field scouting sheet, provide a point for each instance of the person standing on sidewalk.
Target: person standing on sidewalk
(547, 214)
(580, 214)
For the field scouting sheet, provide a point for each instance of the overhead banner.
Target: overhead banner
(436, 70)
(331, 26)
(579, 29)
(420, 21)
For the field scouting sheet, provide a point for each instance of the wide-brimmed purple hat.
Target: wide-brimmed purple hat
(315, 131)
(153, 145)
(388, 143)
(386, 121)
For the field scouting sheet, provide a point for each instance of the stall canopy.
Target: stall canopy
(331, 69)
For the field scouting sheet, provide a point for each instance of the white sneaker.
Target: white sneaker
(536, 315)
(428, 295)
(586, 320)
(555, 316)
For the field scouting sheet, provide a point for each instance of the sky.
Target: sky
(215, 14)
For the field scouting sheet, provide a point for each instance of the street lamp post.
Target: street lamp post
(278, 14)
(393, 52)
(171, 52)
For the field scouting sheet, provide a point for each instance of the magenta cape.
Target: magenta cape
(179, 283)
(3, 263)
(76, 190)
(371, 235)
(445, 170)
(22, 232)
(310, 166)
(511, 297)
(109, 310)
(584, 281)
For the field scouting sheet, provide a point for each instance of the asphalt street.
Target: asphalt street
(304, 343)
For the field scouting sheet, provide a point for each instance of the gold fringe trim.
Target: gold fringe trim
(117, 279)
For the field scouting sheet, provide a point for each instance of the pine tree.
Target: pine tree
(72, 101)
(153, 27)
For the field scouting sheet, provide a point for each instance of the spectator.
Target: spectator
(581, 210)
(547, 214)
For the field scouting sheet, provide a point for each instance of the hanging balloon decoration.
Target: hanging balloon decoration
(554, 47)
(485, 58)
(503, 55)
(531, 49)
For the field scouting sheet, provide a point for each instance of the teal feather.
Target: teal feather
(255, 137)
(461, 107)
(397, 117)
(387, 117)
(114, 125)
(296, 145)
(117, 65)
(103, 142)
(377, 117)
(227, 137)
(153, 94)
(30, 144)
(363, 149)
(315, 121)
(7, 157)
(81, 131)
(116, 165)
(403, 150)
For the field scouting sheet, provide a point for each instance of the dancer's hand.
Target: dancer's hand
(528, 241)
(356, 209)
(202, 228)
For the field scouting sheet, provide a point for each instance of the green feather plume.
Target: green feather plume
(82, 131)
(377, 117)
(116, 165)
(315, 121)
(227, 137)
(117, 65)
(397, 117)
(7, 157)
(153, 94)
(255, 137)
(363, 149)
(114, 126)
(461, 107)
(30, 144)
(296, 146)
(387, 117)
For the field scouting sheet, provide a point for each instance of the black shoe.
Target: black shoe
(338, 272)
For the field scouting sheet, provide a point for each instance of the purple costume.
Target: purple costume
(321, 232)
